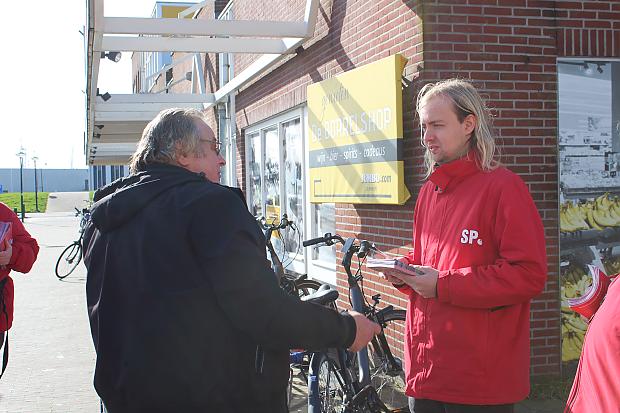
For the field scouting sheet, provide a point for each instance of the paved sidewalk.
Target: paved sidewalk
(298, 402)
(66, 201)
(52, 356)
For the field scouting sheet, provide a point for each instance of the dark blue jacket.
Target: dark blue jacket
(180, 294)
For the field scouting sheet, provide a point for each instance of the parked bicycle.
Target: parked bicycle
(71, 256)
(297, 285)
(293, 283)
(345, 382)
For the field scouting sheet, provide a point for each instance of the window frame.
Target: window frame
(321, 270)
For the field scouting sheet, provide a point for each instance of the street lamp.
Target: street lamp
(36, 184)
(22, 155)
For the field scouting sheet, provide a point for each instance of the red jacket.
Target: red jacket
(482, 232)
(25, 250)
(597, 383)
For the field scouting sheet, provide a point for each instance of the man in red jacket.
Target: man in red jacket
(18, 251)
(479, 242)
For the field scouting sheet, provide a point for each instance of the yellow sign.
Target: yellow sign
(356, 135)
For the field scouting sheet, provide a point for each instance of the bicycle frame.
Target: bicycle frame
(357, 304)
(276, 263)
(358, 393)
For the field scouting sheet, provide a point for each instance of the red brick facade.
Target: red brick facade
(508, 48)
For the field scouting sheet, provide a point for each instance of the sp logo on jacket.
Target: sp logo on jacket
(470, 236)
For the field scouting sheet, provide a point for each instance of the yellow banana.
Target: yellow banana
(591, 220)
(573, 338)
(570, 351)
(569, 290)
(577, 324)
(603, 219)
(603, 201)
(615, 209)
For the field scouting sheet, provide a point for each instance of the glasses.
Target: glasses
(216, 142)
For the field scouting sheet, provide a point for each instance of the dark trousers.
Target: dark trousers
(433, 406)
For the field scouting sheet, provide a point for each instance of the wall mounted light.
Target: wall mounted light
(113, 56)
(105, 96)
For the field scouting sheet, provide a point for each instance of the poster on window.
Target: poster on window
(589, 156)
(355, 125)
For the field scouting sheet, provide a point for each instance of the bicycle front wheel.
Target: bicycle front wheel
(68, 260)
(326, 387)
(386, 367)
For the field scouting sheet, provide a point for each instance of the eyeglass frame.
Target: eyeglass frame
(218, 145)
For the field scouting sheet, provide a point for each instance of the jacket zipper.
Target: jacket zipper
(434, 265)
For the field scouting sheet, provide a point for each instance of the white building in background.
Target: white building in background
(48, 180)
(101, 175)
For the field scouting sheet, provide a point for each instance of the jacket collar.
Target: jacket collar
(454, 172)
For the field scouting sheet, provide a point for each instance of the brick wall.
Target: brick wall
(348, 35)
(509, 48)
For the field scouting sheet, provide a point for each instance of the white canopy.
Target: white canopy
(114, 126)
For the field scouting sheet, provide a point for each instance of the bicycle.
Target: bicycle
(344, 382)
(294, 284)
(71, 256)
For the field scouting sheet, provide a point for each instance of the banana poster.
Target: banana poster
(589, 163)
(355, 125)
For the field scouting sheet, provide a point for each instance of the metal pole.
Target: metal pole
(36, 183)
(21, 185)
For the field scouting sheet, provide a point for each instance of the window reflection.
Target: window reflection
(293, 183)
(272, 176)
(254, 168)
(325, 218)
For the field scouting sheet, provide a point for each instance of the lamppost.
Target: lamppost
(22, 155)
(36, 184)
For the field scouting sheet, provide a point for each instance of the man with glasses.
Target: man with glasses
(180, 294)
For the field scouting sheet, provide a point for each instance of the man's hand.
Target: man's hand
(424, 284)
(5, 254)
(390, 276)
(365, 331)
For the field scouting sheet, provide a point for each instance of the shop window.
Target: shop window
(276, 153)
(589, 174)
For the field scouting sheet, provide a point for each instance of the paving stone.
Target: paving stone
(51, 352)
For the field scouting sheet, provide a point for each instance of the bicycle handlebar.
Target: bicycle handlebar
(362, 249)
(284, 222)
(82, 212)
(327, 239)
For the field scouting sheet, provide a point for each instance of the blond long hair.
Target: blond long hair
(466, 101)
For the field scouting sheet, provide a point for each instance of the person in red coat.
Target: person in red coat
(18, 252)
(596, 387)
(479, 244)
